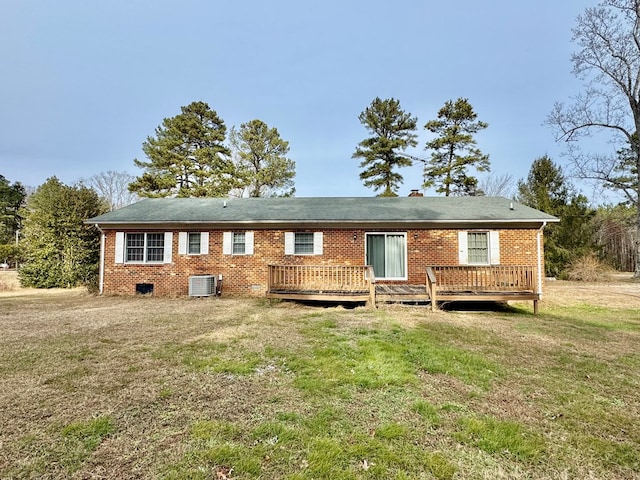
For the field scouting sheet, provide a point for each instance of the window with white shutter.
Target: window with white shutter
(237, 243)
(303, 243)
(144, 247)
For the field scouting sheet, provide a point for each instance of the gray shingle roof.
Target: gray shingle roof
(324, 211)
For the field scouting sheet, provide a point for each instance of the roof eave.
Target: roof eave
(275, 224)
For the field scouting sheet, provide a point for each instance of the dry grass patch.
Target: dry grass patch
(8, 281)
(147, 387)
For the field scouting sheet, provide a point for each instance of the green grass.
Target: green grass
(501, 437)
(247, 390)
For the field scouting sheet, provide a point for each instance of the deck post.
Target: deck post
(535, 307)
(372, 287)
(431, 288)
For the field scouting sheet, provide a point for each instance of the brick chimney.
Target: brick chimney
(415, 193)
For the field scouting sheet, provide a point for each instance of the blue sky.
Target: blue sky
(83, 83)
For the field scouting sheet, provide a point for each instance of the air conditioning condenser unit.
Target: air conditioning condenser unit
(202, 285)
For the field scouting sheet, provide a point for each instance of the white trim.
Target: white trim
(227, 243)
(463, 248)
(317, 243)
(119, 253)
(168, 247)
(183, 240)
(103, 239)
(406, 253)
(494, 247)
(540, 258)
(289, 243)
(204, 243)
(248, 243)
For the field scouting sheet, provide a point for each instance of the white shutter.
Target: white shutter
(317, 243)
(289, 243)
(182, 243)
(204, 243)
(463, 256)
(119, 247)
(248, 243)
(494, 245)
(227, 243)
(168, 247)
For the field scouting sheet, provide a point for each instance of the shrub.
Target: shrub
(587, 269)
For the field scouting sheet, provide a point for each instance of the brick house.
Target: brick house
(157, 245)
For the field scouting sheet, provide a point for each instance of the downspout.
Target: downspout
(540, 271)
(101, 271)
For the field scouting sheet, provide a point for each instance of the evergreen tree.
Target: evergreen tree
(262, 161)
(391, 132)
(187, 157)
(454, 150)
(58, 248)
(12, 197)
(623, 174)
(547, 189)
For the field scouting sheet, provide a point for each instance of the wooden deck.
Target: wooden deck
(348, 283)
(500, 283)
(330, 283)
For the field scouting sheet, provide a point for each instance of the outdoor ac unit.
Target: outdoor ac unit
(202, 285)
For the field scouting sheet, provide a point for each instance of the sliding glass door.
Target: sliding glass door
(387, 253)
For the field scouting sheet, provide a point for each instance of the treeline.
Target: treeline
(44, 232)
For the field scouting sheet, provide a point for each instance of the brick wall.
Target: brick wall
(247, 274)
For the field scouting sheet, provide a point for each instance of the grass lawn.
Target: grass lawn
(112, 387)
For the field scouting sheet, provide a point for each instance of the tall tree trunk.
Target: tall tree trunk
(636, 273)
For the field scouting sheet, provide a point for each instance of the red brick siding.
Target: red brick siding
(247, 274)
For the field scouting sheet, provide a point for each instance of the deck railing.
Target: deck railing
(478, 278)
(469, 282)
(443, 283)
(339, 279)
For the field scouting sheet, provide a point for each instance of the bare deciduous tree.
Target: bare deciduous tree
(113, 187)
(498, 185)
(608, 61)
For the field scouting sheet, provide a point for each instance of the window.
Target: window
(135, 247)
(144, 247)
(237, 243)
(194, 243)
(387, 254)
(479, 247)
(303, 243)
(152, 247)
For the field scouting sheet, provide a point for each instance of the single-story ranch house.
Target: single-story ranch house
(362, 249)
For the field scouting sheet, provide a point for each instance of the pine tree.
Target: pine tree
(454, 150)
(548, 190)
(262, 161)
(392, 131)
(187, 157)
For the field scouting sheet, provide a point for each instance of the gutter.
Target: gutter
(540, 271)
(103, 237)
(326, 223)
